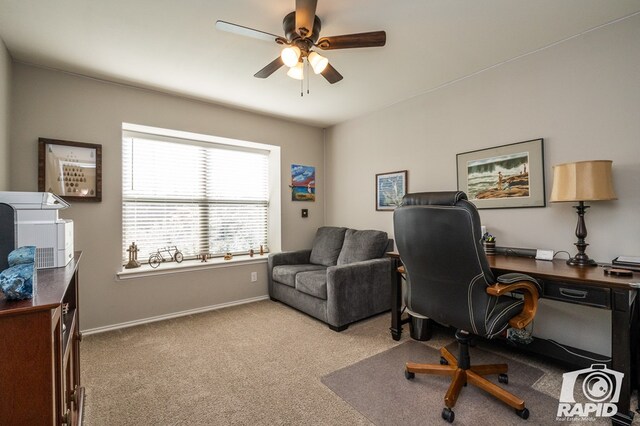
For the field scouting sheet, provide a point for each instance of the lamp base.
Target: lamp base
(581, 258)
(575, 261)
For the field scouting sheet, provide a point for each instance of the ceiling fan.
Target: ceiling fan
(302, 32)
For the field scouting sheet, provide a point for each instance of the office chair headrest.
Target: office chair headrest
(441, 198)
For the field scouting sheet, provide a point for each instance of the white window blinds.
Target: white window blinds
(199, 197)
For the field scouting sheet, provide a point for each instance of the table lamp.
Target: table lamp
(582, 181)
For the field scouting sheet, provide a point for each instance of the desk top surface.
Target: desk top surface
(50, 289)
(559, 270)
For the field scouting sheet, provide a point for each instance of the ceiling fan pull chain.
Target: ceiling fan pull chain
(307, 74)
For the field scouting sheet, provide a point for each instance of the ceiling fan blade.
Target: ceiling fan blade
(305, 15)
(349, 41)
(245, 31)
(331, 74)
(272, 67)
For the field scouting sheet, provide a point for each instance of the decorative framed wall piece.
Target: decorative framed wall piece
(504, 176)
(390, 189)
(72, 170)
(303, 183)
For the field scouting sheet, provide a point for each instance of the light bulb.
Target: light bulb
(296, 72)
(290, 55)
(318, 62)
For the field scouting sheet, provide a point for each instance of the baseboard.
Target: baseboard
(172, 315)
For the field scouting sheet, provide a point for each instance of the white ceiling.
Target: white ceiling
(173, 46)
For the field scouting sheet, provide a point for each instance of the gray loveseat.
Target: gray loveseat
(344, 277)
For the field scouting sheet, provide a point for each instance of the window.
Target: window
(201, 197)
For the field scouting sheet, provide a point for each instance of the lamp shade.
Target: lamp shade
(318, 62)
(290, 56)
(296, 72)
(583, 181)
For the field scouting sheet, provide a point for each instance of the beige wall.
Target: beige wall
(61, 106)
(5, 100)
(582, 96)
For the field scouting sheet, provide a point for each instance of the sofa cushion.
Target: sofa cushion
(313, 283)
(362, 245)
(286, 274)
(326, 245)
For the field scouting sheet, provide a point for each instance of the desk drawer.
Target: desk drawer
(572, 293)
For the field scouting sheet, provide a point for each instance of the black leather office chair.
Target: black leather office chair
(449, 280)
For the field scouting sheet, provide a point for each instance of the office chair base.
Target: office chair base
(472, 375)
(448, 415)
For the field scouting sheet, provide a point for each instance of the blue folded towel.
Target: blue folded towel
(21, 255)
(19, 281)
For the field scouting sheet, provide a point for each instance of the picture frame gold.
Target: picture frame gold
(71, 170)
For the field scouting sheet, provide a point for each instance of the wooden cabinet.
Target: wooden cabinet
(40, 352)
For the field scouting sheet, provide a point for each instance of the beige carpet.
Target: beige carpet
(376, 387)
(254, 364)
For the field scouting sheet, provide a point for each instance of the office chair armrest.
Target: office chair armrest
(531, 294)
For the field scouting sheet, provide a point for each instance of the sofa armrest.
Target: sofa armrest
(358, 290)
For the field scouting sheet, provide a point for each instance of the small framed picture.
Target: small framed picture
(72, 170)
(390, 189)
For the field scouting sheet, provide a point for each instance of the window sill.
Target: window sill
(187, 266)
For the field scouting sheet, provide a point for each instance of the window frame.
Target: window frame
(273, 204)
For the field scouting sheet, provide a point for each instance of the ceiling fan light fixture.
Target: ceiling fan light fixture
(296, 72)
(290, 56)
(318, 62)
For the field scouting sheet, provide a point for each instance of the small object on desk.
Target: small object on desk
(618, 272)
(489, 244)
(19, 281)
(542, 254)
(627, 262)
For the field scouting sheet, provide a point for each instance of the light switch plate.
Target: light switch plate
(542, 254)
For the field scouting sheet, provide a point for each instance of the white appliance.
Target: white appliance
(37, 224)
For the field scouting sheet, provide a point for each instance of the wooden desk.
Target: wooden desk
(584, 286)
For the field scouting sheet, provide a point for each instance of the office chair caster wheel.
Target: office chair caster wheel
(409, 375)
(524, 413)
(503, 378)
(443, 361)
(449, 415)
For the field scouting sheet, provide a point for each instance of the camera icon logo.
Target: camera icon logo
(600, 386)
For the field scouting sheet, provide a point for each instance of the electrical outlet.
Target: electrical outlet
(254, 277)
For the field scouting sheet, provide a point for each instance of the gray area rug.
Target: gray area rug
(377, 388)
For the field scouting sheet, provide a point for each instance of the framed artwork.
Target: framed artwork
(504, 176)
(72, 170)
(303, 183)
(390, 188)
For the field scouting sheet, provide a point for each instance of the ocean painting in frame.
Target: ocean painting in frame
(504, 176)
(303, 183)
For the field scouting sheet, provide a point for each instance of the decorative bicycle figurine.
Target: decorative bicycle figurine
(172, 253)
